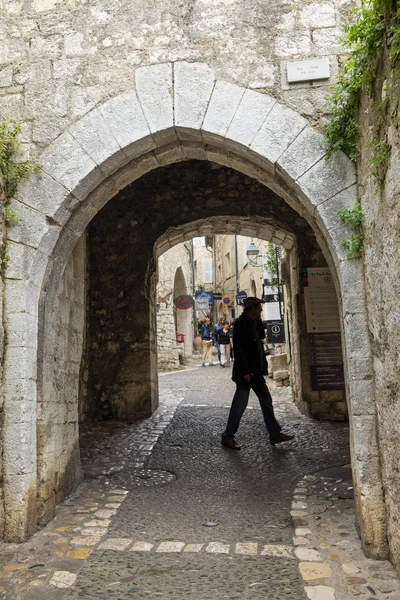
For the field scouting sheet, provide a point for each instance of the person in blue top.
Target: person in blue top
(206, 338)
(216, 329)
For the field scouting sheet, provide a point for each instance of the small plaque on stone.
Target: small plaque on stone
(308, 70)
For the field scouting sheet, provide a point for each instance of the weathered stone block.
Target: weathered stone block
(93, 134)
(278, 131)
(250, 115)
(296, 44)
(30, 228)
(304, 152)
(277, 362)
(44, 98)
(327, 41)
(20, 297)
(67, 162)
(20, 363)
(124, 116)
(327, 178)
(6, 77)
(21, 392)
(328, 211)
(193, 85)
(84, 99)
(281, 375)
(21, 260)
(224, 102)
(169, 155)
(20, 455)
(21, 330)
(154, 89)
(361, 397)
(318, 14)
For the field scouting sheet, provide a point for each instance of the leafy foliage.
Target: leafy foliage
(271, 265)
(375, 24)
(12, 171)
(379, 161)
(354, 244)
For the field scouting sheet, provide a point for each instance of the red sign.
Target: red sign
(183, 302)
(227, 300)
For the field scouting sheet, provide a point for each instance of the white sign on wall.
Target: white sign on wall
(322, 310)
(308, 70)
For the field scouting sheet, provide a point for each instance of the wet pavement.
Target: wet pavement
(165, 511)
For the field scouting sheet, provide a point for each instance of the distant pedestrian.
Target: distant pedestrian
(249, 368)
(224, 341)
(206, 338)
(216, 329)
(231, 324)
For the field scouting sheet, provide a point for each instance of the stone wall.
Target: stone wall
(2, 351)
(57, 419)
(169, 322)
(382, 275)
(61, 58)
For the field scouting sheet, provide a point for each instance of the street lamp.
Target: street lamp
(252, 253)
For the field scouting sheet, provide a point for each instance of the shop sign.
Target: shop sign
(275, 332)
(240, 298)
(184, 301)
(227, 300)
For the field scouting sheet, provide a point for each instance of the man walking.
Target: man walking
(205, 334)
(249, 368)
(216, 329)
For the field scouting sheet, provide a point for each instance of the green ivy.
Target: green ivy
(4, 258)
(12, 170)
(271, 264)
(11, 216)
(354, 244)
(372, 26)
(379, 162)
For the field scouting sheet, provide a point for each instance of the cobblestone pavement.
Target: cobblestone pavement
(165, 511)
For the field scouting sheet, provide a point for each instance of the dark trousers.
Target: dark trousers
(239, 404)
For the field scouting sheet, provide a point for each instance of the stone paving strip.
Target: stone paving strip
(332, 563)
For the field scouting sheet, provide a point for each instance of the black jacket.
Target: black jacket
(246, 349)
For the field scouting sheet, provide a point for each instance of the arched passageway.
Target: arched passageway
(177, 113)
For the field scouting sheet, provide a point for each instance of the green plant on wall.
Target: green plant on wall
(354, 244)
(271, 264)
(12, 172)
(379, 162)
(373, 26)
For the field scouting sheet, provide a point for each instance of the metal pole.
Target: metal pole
(215, 276)
(236, 269)
(277, 257)
(193, 288)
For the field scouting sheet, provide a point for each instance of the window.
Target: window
(227, 264)
(208, 277)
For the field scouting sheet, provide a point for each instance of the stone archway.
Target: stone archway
(176, 112)
(183, 317)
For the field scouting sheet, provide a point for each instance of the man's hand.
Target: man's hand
(247, 378)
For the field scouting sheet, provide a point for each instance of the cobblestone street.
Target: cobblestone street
(165, 511)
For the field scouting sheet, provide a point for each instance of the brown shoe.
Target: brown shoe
(282, 437)
(231, 444)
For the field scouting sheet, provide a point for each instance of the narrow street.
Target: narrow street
(165, 511)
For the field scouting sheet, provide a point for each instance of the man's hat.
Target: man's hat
(252, 300)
